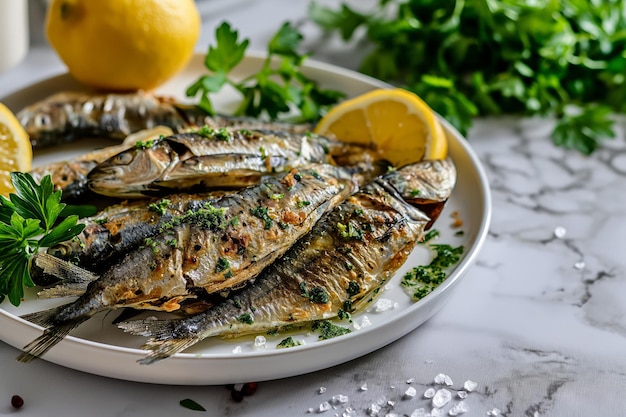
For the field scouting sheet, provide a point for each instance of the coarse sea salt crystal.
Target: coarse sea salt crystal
(325, 406)
(436, 412)
(363, 387)
(373, 409)
(429, 393)
(462, 394)
(349, 412)
(362, 322)
(560, 232)
(410, 392)
(470, 385)
(383, 304)
(392, 415)
(420, 412)
(441, 398)
(458, 408)
(321, 390)
(237, 349)
(493, 412)
(443, 379)
(339, 399)
(580, 265)
(410, 380)
(259, 342)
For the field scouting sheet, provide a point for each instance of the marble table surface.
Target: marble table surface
(538, 322)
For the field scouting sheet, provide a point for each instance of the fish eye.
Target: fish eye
(124, 158)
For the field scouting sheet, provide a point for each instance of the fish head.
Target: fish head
(130, 173)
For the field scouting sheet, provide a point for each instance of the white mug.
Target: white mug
(13, 32)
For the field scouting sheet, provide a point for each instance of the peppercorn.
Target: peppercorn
(17, 401)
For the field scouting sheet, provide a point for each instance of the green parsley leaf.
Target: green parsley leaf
(29, 220)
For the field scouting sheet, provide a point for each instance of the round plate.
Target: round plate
(100, 348)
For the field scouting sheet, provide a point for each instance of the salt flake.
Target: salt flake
(363, 387)
(361, 323)
(441, 398)
(443, 379)
(410, 380)
(349, 412)
(493, 412)
(429, 393)
(339, 399)
(462, 394)
(580, 265)
(383, 304)
(458, 408)
(321, 390)
(410, 392)
(560, 232)
(325, 406)
(237, 349)
(436, 412)
(470, 385)
(259, 342)
(420, 412)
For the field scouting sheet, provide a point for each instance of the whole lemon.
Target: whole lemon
(123, 44)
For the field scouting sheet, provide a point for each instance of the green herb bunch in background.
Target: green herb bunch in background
(471, 58)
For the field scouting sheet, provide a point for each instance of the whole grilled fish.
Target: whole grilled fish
(67, 116)
(120, 228)
(209, 159)
(71, 176)
(211, 248)
(339, 265)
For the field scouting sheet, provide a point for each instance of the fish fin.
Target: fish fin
(47, 340)
(63, 270)
(43, 318)
(163, 349)
(150, 327)
(74, 289)
(161, 342)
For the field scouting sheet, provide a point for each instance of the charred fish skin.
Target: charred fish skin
(225, 157)
(339, 266)
(212, 248)
(71, 115)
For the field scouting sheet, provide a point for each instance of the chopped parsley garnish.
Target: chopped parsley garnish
(349, 231)
(261, 213)
(222, 133)
(140, 144)
(303, 203)
(430, 235)
(353, 288)
(415, 192)
(423, 279)
(328, 330)
(277, 196)
(245, 318)
(222, 264)
(159, 206)
(288, 342)
(207, 217)
(319, 295)
(101, 221)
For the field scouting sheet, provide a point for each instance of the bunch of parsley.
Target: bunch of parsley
(470, 58)
(280, 86)
(29, 220)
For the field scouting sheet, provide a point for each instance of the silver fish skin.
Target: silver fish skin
(426, 184)
(71, 176)
(339, 265)
(117, 229)
(207, 158)
(71, 115)
(210, 249)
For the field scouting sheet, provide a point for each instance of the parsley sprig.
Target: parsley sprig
(29, 220)
(470, 58)
(278, 88)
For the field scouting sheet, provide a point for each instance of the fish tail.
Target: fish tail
(151, 327)
(163, 349)
(47, 340)
(43, 318)
(64, 290)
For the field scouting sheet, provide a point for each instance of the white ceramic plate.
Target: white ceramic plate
(100, 348)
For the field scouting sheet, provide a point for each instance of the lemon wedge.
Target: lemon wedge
(395, 122)
(16, 152)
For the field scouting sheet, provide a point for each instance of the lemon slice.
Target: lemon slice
(395, 122)
(16, 152)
